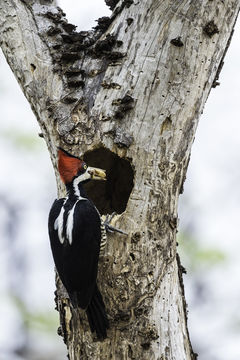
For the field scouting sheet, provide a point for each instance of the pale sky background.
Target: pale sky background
(209, 211)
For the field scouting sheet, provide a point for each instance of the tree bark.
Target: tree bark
(127, 97)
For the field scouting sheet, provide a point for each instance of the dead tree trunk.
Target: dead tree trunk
(127, 97)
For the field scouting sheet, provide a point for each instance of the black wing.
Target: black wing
(77, 263)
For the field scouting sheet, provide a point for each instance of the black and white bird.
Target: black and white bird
(77, 235)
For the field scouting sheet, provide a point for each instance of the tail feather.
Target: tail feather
(96, 314)
(98, 301)
(90, 317)
(102, 321)
(98, 322)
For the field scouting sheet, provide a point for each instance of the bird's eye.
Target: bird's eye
(85, 167)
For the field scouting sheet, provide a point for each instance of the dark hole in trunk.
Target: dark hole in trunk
(113, 194)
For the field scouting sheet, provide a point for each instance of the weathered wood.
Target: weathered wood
(132, 89)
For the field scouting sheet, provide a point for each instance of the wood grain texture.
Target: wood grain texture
(135, 85)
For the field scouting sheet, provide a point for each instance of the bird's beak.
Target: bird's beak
(97, 174)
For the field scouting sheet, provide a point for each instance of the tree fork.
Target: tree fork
(126, 95)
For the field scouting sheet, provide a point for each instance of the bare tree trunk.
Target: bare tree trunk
(127, 96)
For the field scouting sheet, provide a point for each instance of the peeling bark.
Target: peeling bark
(127, 97)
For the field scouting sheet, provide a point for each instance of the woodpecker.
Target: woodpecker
(77, 235)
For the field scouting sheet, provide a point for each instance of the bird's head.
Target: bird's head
(71, 167)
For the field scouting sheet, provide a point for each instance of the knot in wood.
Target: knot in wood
(210, 28)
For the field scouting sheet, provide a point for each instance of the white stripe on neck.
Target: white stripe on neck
(76, 188)
(77, 181)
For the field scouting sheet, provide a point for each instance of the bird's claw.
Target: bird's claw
(110, 228)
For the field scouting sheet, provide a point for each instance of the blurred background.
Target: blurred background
(209, 216)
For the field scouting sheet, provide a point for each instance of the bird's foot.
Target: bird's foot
(109, 227)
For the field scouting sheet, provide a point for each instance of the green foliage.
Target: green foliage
(33, 320)
(194, 255)
(21, 139)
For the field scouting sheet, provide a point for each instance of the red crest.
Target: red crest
(68, 166)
